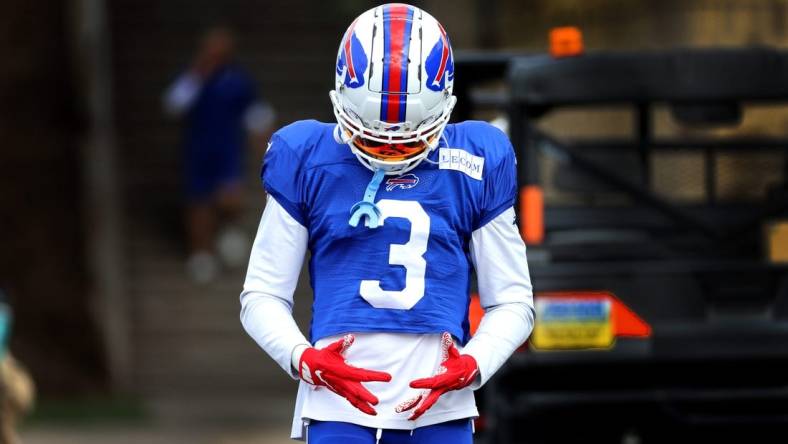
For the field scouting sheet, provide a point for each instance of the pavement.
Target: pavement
(147, 434)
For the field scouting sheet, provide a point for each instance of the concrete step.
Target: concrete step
(230, 378)
(205, 408)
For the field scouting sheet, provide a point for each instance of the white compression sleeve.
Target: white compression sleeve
(505, 292)
(180, 96)
(271, 279)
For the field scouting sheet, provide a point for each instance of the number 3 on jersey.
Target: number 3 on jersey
(410, 255)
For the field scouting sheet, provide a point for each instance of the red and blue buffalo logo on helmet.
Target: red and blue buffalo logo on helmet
(352, 60)
(440, 63)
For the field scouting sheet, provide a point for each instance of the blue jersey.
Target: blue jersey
(412, 273)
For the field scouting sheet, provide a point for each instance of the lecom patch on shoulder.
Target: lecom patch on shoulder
(460, 160)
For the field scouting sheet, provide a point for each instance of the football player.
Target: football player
(396, 207)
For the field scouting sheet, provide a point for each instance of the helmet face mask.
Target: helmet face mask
(395, 74)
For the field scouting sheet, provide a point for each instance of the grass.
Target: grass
(88, 411)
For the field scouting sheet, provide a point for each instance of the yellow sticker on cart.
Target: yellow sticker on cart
(565, 323)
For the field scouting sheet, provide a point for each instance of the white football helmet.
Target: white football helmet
(394, 79)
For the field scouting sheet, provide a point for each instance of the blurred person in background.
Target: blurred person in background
(217, 100)
(16, 387)
(390, 358)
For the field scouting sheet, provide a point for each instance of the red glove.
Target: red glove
(327, 367)
(456, 372)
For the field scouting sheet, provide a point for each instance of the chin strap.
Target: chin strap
(367, 206)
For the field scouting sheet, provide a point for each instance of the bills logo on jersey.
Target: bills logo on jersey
(352, 61)
(440, 64)
(404, 182)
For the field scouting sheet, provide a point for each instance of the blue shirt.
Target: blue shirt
(215, 121)
(412, 274)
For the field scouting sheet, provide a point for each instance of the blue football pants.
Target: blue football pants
(331, 432)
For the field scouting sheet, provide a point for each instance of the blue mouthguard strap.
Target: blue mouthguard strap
(367, 206)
